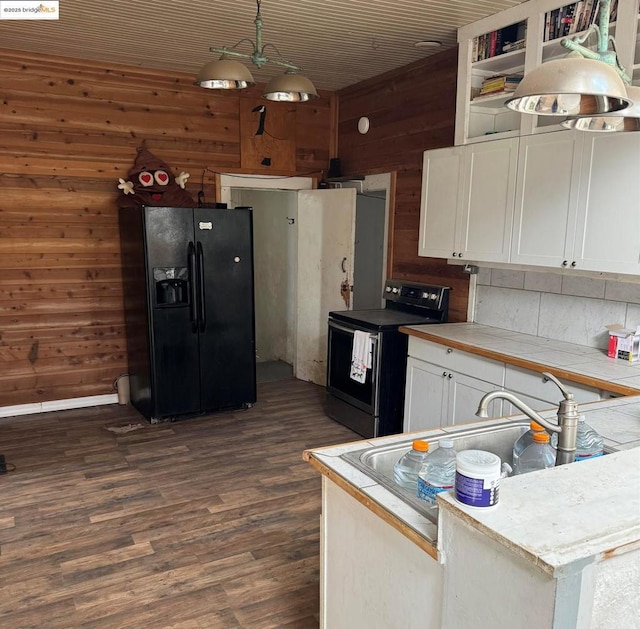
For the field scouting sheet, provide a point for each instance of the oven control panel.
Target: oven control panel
(424, 295)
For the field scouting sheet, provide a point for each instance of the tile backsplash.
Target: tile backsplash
(562, 307)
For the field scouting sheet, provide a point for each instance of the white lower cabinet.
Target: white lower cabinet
(439, 397)
(539, 393)
(445, 385)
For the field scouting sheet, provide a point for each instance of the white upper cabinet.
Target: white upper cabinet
(547, 199)
(467, 201)
(608, 226)
(441, 191)
(487, 201)
(578, 202)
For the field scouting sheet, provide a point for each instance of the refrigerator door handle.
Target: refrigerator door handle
(193, 296)
(202, 311)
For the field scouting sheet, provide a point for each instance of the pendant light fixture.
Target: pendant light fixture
(586, 82)
(226, 73)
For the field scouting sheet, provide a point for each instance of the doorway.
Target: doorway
(275, 258)
(274, 261)
(369, 255)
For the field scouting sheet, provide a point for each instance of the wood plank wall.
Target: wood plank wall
(68, 131)
(410, 110)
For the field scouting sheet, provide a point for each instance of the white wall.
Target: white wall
(274, 248)
(562, 307)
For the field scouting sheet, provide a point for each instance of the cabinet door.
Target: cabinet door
(487, 210)
(546, 198)
(609, 187)
(439, 208)
(424, 396)
(464, 396)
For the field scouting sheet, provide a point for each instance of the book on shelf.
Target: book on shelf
(574, 18)
(498, 84)
(498, 42)
(494, 85)
(516, 45)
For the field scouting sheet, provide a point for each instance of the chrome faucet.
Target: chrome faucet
(567, 426)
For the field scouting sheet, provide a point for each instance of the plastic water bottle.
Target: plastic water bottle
(588, 442)
(438, 472)
(537, 456)
(525, 440)
(406, 469)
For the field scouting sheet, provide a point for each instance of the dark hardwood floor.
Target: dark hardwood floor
(208, 522)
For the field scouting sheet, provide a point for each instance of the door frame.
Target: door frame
(374, 182)
(260, 182)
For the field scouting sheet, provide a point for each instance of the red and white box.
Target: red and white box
(624, 344)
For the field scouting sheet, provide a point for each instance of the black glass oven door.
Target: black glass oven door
(339, 382)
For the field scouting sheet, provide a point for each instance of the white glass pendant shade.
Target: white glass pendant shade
(225, 74)
(290, 87)
(572, 86)
(625, 120)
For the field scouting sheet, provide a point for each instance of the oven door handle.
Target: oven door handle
(337, 326)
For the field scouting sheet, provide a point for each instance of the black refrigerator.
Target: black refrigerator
(189, 309)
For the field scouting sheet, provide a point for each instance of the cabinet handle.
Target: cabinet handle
(444, 374)
(454, 254)
(449, 350)
(450, 376)
(459, 255)
(564, 263)
(573, 263)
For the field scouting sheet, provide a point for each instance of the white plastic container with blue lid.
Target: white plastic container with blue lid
(478, 475)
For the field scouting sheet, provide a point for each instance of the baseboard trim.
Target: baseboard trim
(58, 405)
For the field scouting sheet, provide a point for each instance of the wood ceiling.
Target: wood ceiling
(337, 42)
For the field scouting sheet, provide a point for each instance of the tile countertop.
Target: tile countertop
(561, 518)
(588, 365)
(553, 518)
(614, 478)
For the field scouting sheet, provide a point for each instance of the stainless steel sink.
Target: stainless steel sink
(494, 436)
(378, 461)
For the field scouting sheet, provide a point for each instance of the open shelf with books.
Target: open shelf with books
(533, 32)
(569, 21)
(500, 41)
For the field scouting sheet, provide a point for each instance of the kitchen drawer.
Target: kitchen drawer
(485, 369)
(532, 383)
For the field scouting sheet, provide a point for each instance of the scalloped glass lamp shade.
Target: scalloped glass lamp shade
(225, 74)
(572, 86)
(290, 87)
(625, 120)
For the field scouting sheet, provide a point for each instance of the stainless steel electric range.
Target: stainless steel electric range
(375, 407)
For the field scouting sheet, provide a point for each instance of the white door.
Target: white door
(326, 236)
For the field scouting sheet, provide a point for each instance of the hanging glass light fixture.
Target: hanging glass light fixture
(586, 82)
(227, 73)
